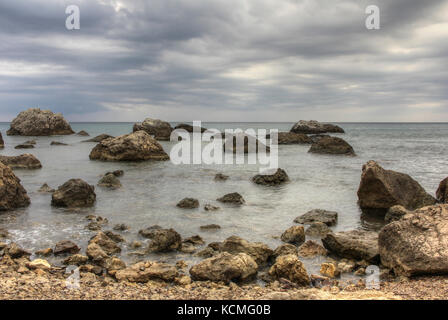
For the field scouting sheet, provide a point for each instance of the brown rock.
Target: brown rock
(234, 198)
(293, 138)
(189, 128)
(2, 143)
(66, 246)
(315, 127)
(284, 249)
(442, 191)
(144, 271)
(290, 268)
(221, 177)
(105, 243)
(163, 240)
(311, 249)
(57, 143)
(317, 229)
(99, 138)
(210, 227)
(12, 194)
(45, 188)
(76, 259)
(161, 130)
(279, 177)
(318, 215)
(24, 161)
(395, 213)
(257, 250)
(83, 133)
(329, 269)
(188, 203)
(75, 193)
(109, 181)
(332, 145)
(24, 146)
(294, 234)
(15, 251)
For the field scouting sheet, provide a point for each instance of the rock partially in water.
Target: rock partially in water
(291, 268)
(83, 133)
(12, 194)
(75, 193)
(221, 177)
(417, 244)
(381, 189)
(311, 249)
(332, 145)
(189, 128)
(395, 213)
(353, 244)
(317, 229)
(163, 240)
(143, 272)
(161, 130)
(315, 127)
(117, 173)
(99, 138)
(284, 249)
(44, 252)
(442, 191)
(188, 203)
(65, 246)
(225, 267)
(194, 240)
(109, 181)
(45, 188)
(330, 218)
(58, 143)
(108, 245)
(242, 143)
(36, 122)
(294, 234)
(260, 252)
(234, 198)
(210, 207)
(279, 177)
(15, 251)
(137, 146)
(329, 269)
(293, 138)
(121, 227)
(23, 161)
(210, 227)
(2, 143)
(24, 146)
(76, 259)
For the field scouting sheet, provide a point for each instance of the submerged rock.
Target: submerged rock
(442, 191)
(225, 267)
(294, 234)
(24, 146)
(221, 177)
(57, 143)
(381, 189)
(234, 198)
(291, 268)
(257, 250)
(65, 246)
(395, 213)
(332, 145)
(417, 244)
(75, 193)
(99, 138)
(315, 127)
(161, 130)
(12, 193)
(137, 146)
(279, 177)
(210, 227)
(109, 181)
(318, 215)
(143, 272)
(36, 122)
(188, 203)
(24, 161)
(293, 138)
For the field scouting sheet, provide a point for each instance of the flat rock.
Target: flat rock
(332, 145)
(24, 146)
(65, 246)
(260, 252)
(58, 143)
(330, 218)
(315, 127)
(189, 128)
(23, 161)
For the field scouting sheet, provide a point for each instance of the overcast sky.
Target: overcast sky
(226, 60)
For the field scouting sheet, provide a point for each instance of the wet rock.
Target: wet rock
(194, 240)
(75, 193)
(279, 177)
(109, 181)
(210, 207)
(330, 218)
(332, 145)
(294, 234)
(45, 188)
(117, 173)
(136, 244)
(98, 219)
(24, 146)
(96, 253)
(57, 143)
(354, 244)
(442, 191)
(36, 122)
(114, 236)
(24, 161)
(137, 146)
(121, 227)
(257, 250)
(234, 198)
(417, 243)
(189, 128)
(221, 177)
(83, 133)
(15, 251)
(12, 193)
(4, 233)
(329, 269)
(99, 138)
(38, 264)
(88, 268)
(395, 213)
(93, 226)
(65, 246)
(114, 264)
(293, 138)
(310, 249)
(142, 272)
(210, 227)
(207, 253)
(225, 267)
(33, 142)
(149, 232)
(44, 252)
(290, 268)
(381, 189)
(188, 203)
(284, 249)
(161, 130)
(164, 240)
(76, 259)
(2, 143)
(317, 229)
(108, 245)
(242, 143)
(315, 127)
(187, 248)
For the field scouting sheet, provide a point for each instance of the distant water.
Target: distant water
(152, 189)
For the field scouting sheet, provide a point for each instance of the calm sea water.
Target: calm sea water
(151, 189)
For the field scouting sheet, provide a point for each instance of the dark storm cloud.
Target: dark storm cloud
(225, 60)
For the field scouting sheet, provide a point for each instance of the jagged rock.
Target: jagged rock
(417, 244)
(318, 215)
(38, 264)
(109, 181)
(279, 177)
(149, 232)
(284, 249)
(24, 161)
(294, 234)
(99, 138)
(381, 189)
(311, 249)
(137, 146)
(75, 193)
(12, 193)
(76, 259)
(332, 145)
(96, 253)
(83, 133)
(210, 207)
(88, 268)
(162, 239)
(108, 245)
(24, 146)
(442, 191)
(114, 236)
(114, 264)
(117, 173)
(94, 226)
(329, 269)
(142, 272)
(354, 244)
(257, 250)
(293, 138)
(2, 143)
(45, 189)
(194, 240)
(189, 128)
(57, 143)
(395, 213)
(248, 144)
(66, 246)
(161, 130)
(15, 251)
(291, 268)
(121, 227)
(317, 229)
(36, 122)
(225, 267)
(234, 198)
(221, 177)
(210, 227)
(315, 127)
(44, 252)
(4, 233)
(188, 203)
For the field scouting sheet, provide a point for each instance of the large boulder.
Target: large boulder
(12, 193)
(257, 250)
(318, 215)
(353, 244)
(293, 138)
(225, 267)
(242, 143)
(442, 191)
(279, 177)
(2, 143)
(24, 161)
(161, 130)
(137, 146)
(332, 145)
(381, 189)
(36, 122)
(315, 127)
(143, 272)
(291, 268)
(417, 244)
(75, 193)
